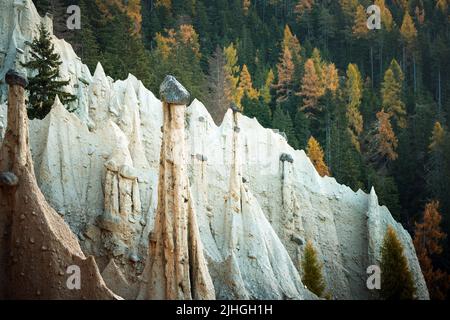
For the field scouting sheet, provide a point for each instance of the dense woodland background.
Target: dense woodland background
(376, 102)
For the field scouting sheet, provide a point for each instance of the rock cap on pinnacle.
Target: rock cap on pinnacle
(235, 108)
(15, 78)
(172, 92)
(285, 157)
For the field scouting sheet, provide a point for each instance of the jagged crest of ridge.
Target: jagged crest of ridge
(255, 212)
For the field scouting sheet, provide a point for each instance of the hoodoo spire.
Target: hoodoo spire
(37, 247)
(176, 267)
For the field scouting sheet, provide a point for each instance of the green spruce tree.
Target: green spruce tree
(345, 161)
(396, 278)
(45, 86)
(301, 128)
(257, 108)
(312, 271)
(282, 121)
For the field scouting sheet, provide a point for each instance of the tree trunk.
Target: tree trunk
(404, 60)
(415, 75)
(439, 90)
(328, 138)
(381, 62)
(371, 64)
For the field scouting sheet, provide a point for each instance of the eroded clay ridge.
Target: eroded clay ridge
(176, 267)
(255, 200)
(37, 246)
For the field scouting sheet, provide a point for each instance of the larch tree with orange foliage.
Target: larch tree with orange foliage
(387, 21)
(332, 78)
(132, 8)
(360, 29)
(391, 94)
(175, 40)
(311, 89)
(246, 84)
(427, 241)
(408, 30)
(265, 90)
(177, 53)
(232, 69)
(383, 142)
(189, 37)
(353, 89)
(288, 67)
(408, 33)
(316, 155)
(291, 42)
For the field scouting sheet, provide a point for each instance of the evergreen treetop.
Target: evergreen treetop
(396, 278)
(45, 85)
(315, 154)
(312, 271)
